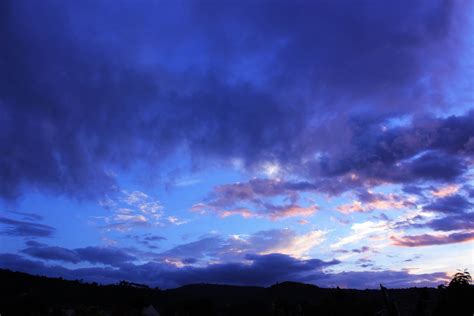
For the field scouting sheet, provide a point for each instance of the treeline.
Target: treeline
(24, 294)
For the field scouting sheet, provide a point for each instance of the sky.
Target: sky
(238, 142)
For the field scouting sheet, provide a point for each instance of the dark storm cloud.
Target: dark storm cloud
(435, 166)
(260, 270)
(464, 221)
(450, 205)
(25, 229)
(92, 86)
(427, 149)
(362, 48)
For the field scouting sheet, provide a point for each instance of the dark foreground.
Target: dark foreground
(24, 294)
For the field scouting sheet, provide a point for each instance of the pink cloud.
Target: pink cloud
(375, 202)
(273, 212)
(276, 212)
(429, 240)
(445, 191)
(254, 199)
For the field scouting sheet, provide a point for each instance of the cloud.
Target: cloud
(28, 216)
(360, 231)
(369, 201)
(102, 255)
(25, 229)
(252, 191)
(427, 149)
(53, 253)
(361, 250)
(133, 209)
(432, 166)
(105, 255)
(448, 214)
(289, 210)
(207, 247)
(254, 199)
(445, 191)
(297, 245)
(429, 240)
(235, 247)
(449, 211)
(464, 221)
(268, 210)
(142, 201)
(258, 88)
(262, 270)
(244, 212)
(148, 240)
(450, 204)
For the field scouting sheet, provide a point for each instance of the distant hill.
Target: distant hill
(24, 294)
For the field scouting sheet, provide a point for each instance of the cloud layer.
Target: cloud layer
(256, 82)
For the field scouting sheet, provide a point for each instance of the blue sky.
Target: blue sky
(167, 143)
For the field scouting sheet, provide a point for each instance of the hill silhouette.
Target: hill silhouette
(24, 294)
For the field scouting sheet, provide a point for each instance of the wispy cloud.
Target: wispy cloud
(25, 229)
(132, 209)
(95, 255)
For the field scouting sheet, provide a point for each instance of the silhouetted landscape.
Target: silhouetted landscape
(25, 294)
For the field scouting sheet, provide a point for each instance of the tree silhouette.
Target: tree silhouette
(455, 298)
(461, 280)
